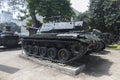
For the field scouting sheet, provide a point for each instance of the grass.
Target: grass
(114, 46)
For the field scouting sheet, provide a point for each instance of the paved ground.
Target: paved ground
(104, 66)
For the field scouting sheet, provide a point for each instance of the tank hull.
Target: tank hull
(62, 48)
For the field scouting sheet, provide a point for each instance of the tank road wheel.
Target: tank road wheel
(35, 51)
(79, 49)
(76, 48)
(42, 51)
(52, 53)
(63, 55)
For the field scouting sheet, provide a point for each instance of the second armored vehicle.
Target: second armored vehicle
(8, 38)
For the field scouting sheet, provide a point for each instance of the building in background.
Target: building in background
(5, 16)
(10, 13)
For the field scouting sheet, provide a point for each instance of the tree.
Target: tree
(97, 14)
(105, 15)
(85, 17)
(48, 9)
(112, 16)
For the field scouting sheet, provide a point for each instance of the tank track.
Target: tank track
(68, 45)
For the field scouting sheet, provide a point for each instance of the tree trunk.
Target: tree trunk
(118, 4)
(32, 31)
(36, 24)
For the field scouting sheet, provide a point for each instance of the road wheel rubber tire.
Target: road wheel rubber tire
(63, 55)
(35, 50)
(52, 53)
(42, 51)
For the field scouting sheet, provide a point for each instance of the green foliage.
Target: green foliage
(45, 8)
(105, 15)
(14, 27)
(16, 2)
(85, 17)
(97, 14)
(112, 16)
(29, 22)
(114, 46)
(50, 8)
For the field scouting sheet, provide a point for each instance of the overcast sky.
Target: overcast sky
(80, 5)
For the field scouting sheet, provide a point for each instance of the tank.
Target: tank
(61, 44)
(108, 38)
(8, 38)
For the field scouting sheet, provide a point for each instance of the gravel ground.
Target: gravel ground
(103, 66)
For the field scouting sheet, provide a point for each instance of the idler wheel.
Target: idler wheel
(42, 51)
(63, 55)
(100, 47)
(35, 50)
(52, 53)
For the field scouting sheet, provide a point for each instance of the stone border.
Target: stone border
(67, 69)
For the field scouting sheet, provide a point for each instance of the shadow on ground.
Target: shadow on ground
(3, 49)
(96, 66)
(104, 52)
(8, 69)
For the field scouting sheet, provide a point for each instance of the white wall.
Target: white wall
(5, 16)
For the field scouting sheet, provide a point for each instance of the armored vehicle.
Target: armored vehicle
(108, 38)
(8, 38)
(62, 43)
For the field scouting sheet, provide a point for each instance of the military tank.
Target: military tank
(108, 38)
(61, 42)
(8, 38)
